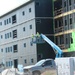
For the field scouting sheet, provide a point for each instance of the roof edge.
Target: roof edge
(16, 8)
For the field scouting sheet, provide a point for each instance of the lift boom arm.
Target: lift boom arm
(53, 45)
(42, 38)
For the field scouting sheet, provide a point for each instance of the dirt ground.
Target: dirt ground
(49, 73)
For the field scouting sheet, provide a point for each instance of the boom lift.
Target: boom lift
(41, 38)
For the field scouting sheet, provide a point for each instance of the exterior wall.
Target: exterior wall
(20, 18)
(27, 53)
(44, 25)
(46, 8)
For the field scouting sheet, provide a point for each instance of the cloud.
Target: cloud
(7, 5)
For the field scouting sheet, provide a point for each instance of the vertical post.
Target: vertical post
(15, 71)
(53, 18)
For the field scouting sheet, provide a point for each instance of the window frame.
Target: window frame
(30, 26)
(14, 33)
(14, 19)
(30, 10)
(23, 13)
(15, 48)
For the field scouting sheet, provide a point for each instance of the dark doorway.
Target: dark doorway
(15, 63)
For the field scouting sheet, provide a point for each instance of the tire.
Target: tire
(36, 73)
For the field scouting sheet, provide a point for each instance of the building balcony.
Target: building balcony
(59, 29)
(58, 12)
(62, 46)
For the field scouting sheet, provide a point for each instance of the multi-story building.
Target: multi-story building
(16, 29)
(64, 29)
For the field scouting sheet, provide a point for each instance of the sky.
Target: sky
(8, 5)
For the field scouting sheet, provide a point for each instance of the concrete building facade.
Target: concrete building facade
(16, 29)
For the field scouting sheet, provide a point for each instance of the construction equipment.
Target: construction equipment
(41, 38)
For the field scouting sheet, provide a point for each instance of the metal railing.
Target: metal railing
(58, 12)
(59, 29)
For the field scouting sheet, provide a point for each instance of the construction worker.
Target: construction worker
(32, 35)
(38, 35)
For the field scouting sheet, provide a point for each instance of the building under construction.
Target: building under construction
(64, 25)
